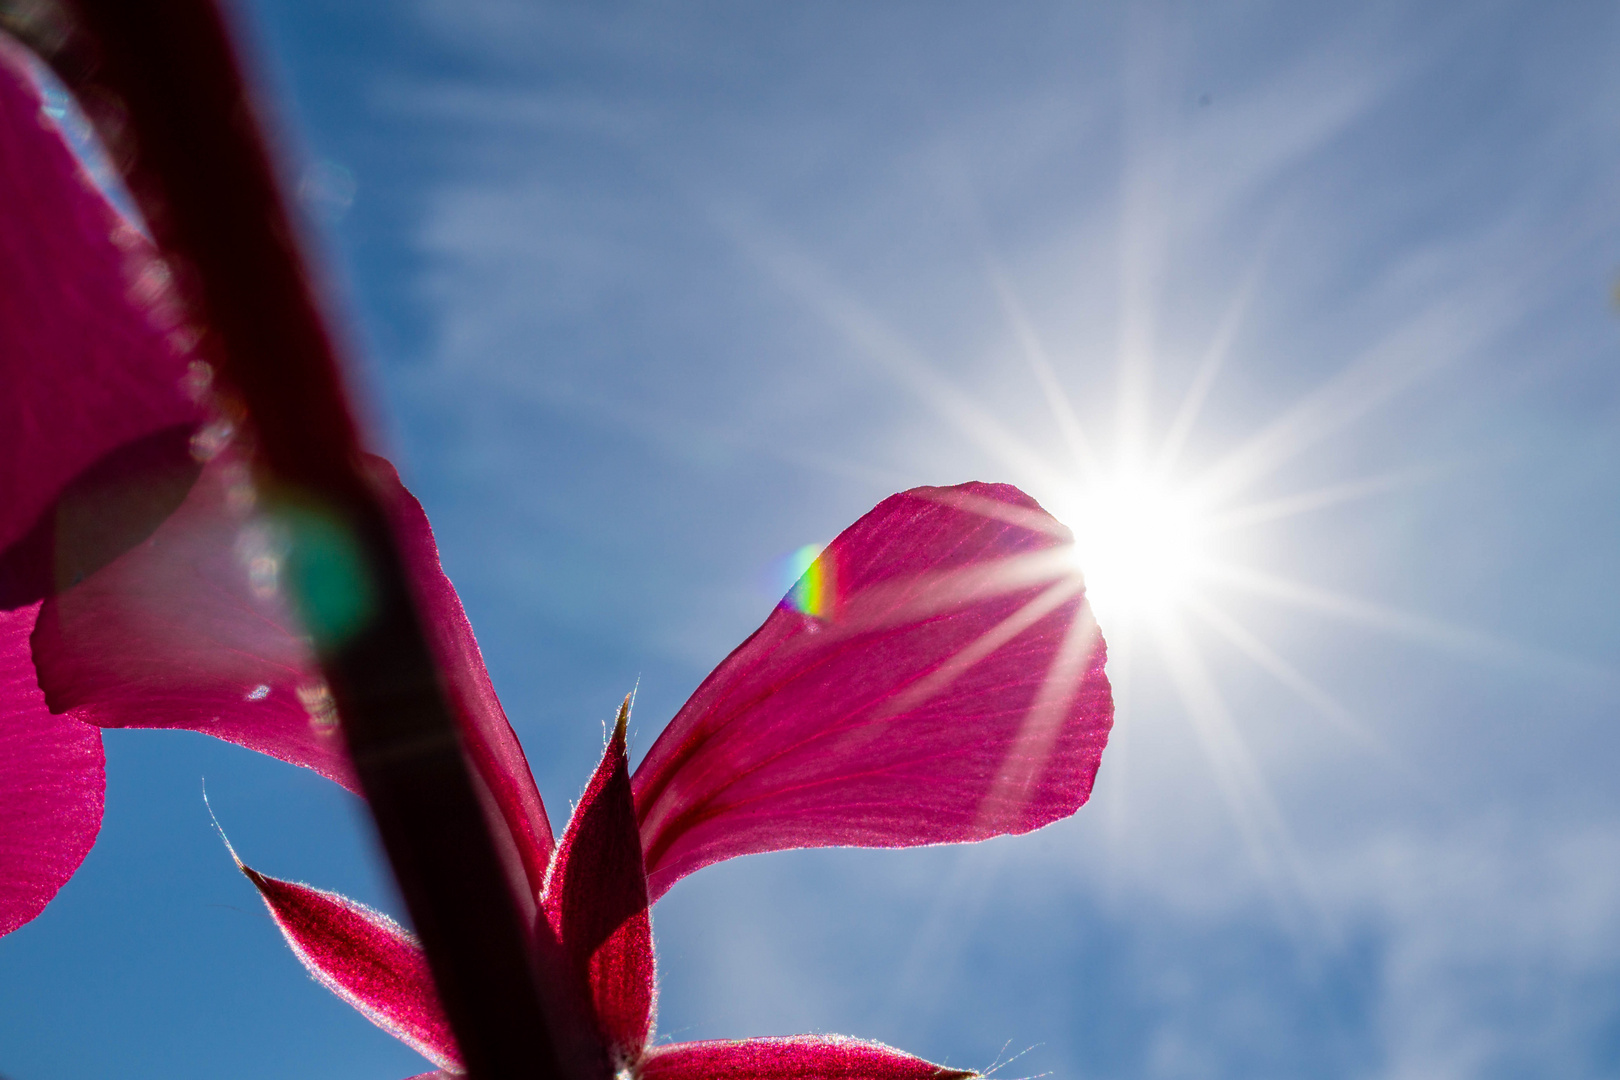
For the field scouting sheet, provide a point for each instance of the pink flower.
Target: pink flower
(952, 690)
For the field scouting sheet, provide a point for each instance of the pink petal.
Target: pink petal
(797, 1057)
(188, 630)
(597, 902)
(949, 688)
(52, 779)
(365, 958)
(89, 367)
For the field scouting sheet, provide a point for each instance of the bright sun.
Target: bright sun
(1140, 541)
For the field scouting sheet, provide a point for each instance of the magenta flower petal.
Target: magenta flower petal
(945, 684)
(92, 364)
(597, 902)
(365, 958)
(52, 781)
(186, 630)
(797, 1057)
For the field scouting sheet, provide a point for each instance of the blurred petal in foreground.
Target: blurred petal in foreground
(95, 414)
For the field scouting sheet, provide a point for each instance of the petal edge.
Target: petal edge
(794, 1057)
(52, 784)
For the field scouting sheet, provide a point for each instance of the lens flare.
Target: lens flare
(812, 580)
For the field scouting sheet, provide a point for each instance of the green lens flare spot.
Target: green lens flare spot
(327, 575)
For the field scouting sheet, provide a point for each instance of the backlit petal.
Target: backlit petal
(189, 630)
(52, 779)
(936, 677)
(797, 1057)
(92, 363)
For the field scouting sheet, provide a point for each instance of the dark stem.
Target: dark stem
(161, 82)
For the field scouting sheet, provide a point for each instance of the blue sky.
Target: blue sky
(649, 296)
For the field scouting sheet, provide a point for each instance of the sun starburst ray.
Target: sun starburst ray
(1023, 517)
(1146, 186)
(1122, 650)
(1248, 797)
(955, 666)
(1269, 661)
(1409, 626)
(1074, 434)
(1192, 402)
(916, 597)
(863, 329)
(1031, 751)
(1417, 348)
(1319, 499)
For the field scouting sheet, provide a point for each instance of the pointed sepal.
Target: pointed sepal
(597, 902)
(365, 958)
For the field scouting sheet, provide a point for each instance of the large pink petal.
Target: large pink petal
(597, 902)
(936, 677)
(365, 958)
(797, 1057)
(188, 630)
(93, 360)
(52, 780)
